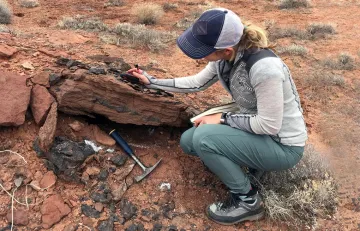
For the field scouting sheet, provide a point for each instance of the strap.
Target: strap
(250, 57)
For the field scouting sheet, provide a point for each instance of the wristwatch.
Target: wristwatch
(223, 118)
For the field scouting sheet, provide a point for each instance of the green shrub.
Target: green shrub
(5, 12)
(81, 23)
(300, 195)
(291, 4)
(148, 13)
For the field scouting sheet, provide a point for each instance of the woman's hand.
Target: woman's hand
(209, 119)
(138, 74)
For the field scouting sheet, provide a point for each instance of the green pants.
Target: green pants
(224, 150)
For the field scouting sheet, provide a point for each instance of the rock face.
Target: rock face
(41, 101)
(104, 95)
(15, 98)
(47, 131)
(53, 210)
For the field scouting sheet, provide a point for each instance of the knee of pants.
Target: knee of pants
(201, 138)
(186, 141)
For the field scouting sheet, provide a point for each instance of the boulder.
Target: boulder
(42, 78)
(53, 210)
(15, 98)
(41, 101)
(106, 96)
(47, 131)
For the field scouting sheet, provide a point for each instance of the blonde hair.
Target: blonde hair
(254, 37)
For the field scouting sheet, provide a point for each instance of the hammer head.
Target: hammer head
(146, 172)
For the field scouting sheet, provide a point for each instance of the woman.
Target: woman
(268, 131)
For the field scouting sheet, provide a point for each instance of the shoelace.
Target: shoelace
(231, 201)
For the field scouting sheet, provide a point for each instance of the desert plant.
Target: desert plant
(302, 194)
(5, 12)
(290, 4)
(114, 3)
(170, 6)
(29, 3)
(293, 50)
(4, 29)
(192, 16)
(343, 62)
(277, 33)
(81, 23)
(148, 13)
(139, 35)
(320, 29)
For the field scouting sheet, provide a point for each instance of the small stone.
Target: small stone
(48, 180)
(27, 65)
(4, 159)
(29, 3)
(157, 227)
(7, 51)
(85, 177)
(99, 207)
(53, 210)
(54, 78)
(97, 71)
(92, 171)
(247, 224)
(89, 211)
(42, 79)
(135, 227)
(103, 175)
(127, 209)
(107, 225)
(100, 197)
(35, 185)
(102, 137)
(76, 126)
(118, 190)
(118, 160)
(20, 217)
(71, 227)
(172, 228)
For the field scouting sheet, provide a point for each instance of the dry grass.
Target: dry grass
(291, 4)
(139, 35)
(29, 3)
(301, 195)
(170, 6)
(114, 3)
(4, 29)
(192, 16)
(342, 62)
(81, 23)
(148, 13)
(293, 50)
(5, 12)
(320, 30)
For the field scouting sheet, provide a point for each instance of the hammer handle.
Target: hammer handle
(126, 147)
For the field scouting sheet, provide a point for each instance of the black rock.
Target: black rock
(118, 160)
(103, 175)
(97, 71)
(112, 169)
(172, 228)
(107, 225)
(62, 61)
(65, 156)
(135, 227)
(155, 217)
(100, 197)
(145, 212)
(75, 63)
(89, 211)
(127, 209)
(157, 227)
(54, 78)
(112, 207)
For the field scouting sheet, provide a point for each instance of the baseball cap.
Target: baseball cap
(217, 28)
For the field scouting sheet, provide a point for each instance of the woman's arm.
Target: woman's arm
(198, 82)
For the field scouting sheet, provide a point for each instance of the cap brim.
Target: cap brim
(192, 47)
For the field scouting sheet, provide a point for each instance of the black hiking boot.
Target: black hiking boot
(237, 208)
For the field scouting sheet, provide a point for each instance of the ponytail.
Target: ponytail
(254, 37)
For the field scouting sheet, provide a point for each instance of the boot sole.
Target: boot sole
(249, 218)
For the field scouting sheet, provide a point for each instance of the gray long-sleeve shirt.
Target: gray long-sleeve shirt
(266, 96)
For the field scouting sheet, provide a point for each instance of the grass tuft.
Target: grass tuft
(293, 50)
(300, 195)
(114, 3)
(5, 12)
(170, 6)
(29, 3)
(343, 62)
(291, 4)
(192, 16)
(320, 29)
(81, 23)
(139, 35)
(148, 13)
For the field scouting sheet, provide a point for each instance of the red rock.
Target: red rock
(53, 54)
(48, 180)
(47, 131)
(53, 210)
(20, 217)
(102, 137)
(91, 171)
(117, 101)
(15, 98)
(42, 78)
(76, 126)
(41, 101)
(7, 51)
(99, 207)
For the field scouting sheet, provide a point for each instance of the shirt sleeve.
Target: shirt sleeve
(200, 81)
(267, 79)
